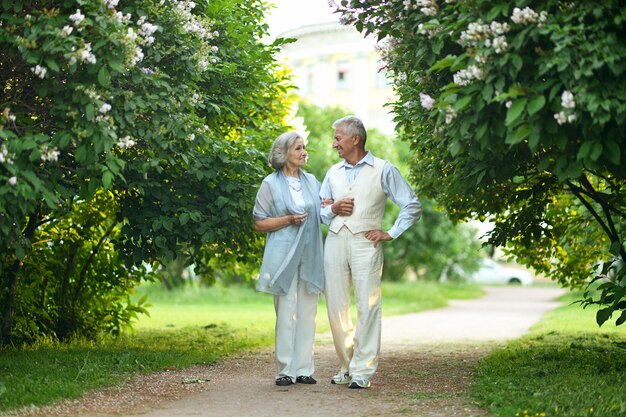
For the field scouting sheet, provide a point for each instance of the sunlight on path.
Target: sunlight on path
(504, 313)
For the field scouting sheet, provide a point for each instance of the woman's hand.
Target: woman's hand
(297, 219)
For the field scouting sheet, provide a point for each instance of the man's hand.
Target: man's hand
(327, 202)
(377, 236)
(343, 207)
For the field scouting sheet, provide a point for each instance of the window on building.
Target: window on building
(343, 75)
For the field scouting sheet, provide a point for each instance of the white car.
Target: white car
(492, 272)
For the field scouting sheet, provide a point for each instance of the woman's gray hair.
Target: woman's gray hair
(280, 149)
(353, 127)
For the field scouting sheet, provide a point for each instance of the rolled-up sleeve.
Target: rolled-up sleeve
(326, 213)
(398, 190)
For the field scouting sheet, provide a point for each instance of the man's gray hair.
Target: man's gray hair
(353, 127)
(280, 149)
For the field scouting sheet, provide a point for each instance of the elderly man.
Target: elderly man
(353, 256)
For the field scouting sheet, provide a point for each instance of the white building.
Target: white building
(334, 65)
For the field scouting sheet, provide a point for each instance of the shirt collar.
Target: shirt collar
(367, 159)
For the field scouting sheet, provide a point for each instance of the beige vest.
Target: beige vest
(369, 198)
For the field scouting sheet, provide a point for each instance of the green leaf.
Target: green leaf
(104, 78)
(596, 151)
(107, 179)
(443, 63)
(90, 111)
(584, 150)
(51, 63)
(536, 104)
(461, 103)
(519, 134)
(515, 111)
(603, 315)
(81, 154)
(621, 319)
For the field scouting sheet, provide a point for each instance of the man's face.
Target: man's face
(344, 144)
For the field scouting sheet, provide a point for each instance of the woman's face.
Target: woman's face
(297, 154)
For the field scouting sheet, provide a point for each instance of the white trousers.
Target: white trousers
(350, 260)
(296, 313)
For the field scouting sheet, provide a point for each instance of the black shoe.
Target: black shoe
(306, 380)
(284, 381)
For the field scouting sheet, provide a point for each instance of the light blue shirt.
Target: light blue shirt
(395, 188)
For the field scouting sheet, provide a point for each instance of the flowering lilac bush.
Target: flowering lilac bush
(129, 133)
(516, 111)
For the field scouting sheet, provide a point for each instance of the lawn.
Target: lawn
(565, 366)
(191, 326)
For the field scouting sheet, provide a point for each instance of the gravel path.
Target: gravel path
(425, 370)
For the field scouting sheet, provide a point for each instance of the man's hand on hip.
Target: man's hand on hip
(377, 236)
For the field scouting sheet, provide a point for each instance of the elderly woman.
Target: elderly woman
(288, 208)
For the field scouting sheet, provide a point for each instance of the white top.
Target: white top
(295, 188)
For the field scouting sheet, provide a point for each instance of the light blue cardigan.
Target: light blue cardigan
(293, 246)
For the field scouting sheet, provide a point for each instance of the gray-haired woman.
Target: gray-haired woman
(287, 207)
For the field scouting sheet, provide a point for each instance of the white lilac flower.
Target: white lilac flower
(39, 71)
(214, 48)
(3, 154)
(567, 100)
(126, 142)
(121, 17)
(499, 28)
(475, 33)
(560, 117)
(86, 55)
(148, 71)
(191, 137)
(137, 56)
(524, 16)
(111, 3)
(195, 97)
(50, 155)
(466, 76)
(131, 35)
(66, 31)
(500, 44)
(571, 118)
(12, 118)
(105, 108)
(508, 104)
(77, 17)
(12, 180)
(401, 77)
(203, 64)
(427, 101)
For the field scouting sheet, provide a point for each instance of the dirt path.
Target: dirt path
(425, 370)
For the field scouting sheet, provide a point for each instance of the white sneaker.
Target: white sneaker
(342, 378)
(359, 382)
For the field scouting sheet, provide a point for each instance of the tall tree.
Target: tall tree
(131, 131)
(516, 112)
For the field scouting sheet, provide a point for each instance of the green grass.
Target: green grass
(565, 366)
(185, 328)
